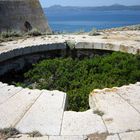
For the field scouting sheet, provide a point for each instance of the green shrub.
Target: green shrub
(34, 32)
(79, 77)
(7, 34)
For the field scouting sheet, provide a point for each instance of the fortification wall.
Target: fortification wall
(15, 13)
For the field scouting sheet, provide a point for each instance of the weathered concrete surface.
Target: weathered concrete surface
(19, 48)
(131, 94)
(28, 56)
(113, 137)
(15, 108)
(30, 110)
(45, 115)
(119, 115)
(130, 135)
(120, 119)
(66, 138)
(27, 137)
(130, 44)
(7, 92)
(2, 85)
(29, 46)
(82, 123)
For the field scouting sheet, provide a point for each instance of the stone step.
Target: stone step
(7, 92)
(82, 123)
(15, 108)
(45, 115)
(119, 116)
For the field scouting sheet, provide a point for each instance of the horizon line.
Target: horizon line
(88, 6)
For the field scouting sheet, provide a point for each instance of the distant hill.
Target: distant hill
(99, 8)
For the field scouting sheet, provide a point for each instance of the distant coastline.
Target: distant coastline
(97, 8)
(71, 19)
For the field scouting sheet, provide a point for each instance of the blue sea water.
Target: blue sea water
(87, 20)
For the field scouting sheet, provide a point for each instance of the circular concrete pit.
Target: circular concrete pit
(44, 111)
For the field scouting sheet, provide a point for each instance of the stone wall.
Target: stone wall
(14, 14)
(18, 59)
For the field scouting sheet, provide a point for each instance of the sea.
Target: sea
(87, 20)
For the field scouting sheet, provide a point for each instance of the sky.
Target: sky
(47, 3)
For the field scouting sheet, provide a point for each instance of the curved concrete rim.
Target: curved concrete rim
(7, 53)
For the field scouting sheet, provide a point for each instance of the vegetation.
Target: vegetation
(71, 44)
(8, 133)
(94, 32)
(80, 32)
(98, 112)
(34, 32)
(11, 35)
(35, 134)
(79, 77)
(125, 28)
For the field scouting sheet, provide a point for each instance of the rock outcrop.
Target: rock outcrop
(22, 15)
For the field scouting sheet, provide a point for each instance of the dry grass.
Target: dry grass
(8, 133)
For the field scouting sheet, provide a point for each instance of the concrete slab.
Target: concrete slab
(118, 116)
(2, 84)
(130, 135)
(82, 123)
(66, 138)
(131, 94)
(7, 92)
(15, 108)
(27, 137)
(45, 115)
(42, 138)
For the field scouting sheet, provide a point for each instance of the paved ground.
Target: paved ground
(114, 114)
(126, 38)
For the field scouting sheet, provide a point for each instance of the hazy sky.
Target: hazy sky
(47, 3)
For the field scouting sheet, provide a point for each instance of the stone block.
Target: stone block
(82, 123)
(45, 115)
(15, 108)
(118, 116)
(66, 138)
(131, 94)
(7, 92)
(113, 137)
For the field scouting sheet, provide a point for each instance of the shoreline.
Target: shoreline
(16, 35)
